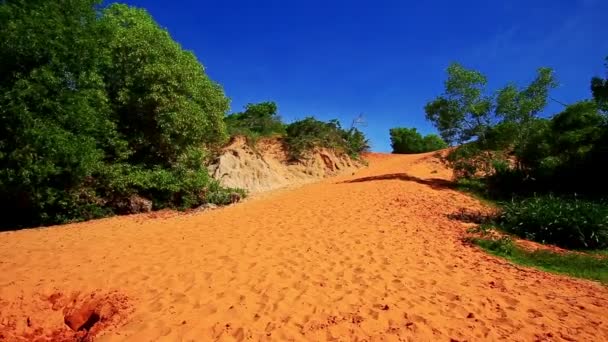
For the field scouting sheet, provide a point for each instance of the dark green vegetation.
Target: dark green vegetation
(507, 146)
(546, 174)
(100, 106)
(304, 135)
(261, 120)
(96, 106)
(408, 140)
(258, 120)
(566, 222)
(588, 266)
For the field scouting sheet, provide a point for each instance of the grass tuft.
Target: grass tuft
(592, 265)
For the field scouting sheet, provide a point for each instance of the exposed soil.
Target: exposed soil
(59, 317)
(370, 256)
(267, 166)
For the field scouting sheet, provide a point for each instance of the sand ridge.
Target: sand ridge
(372, 256)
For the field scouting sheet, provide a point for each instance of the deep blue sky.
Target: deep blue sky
(386, 59)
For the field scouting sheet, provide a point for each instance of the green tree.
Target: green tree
(259, 119)
(162, 99)
(408, 140)
(55, 124)
(355, 141)
(433, 142)
(490, 125)
(576, 130)
(305, 135)
(463, 112)
(599, 89)
(520, 107)
(97, 105)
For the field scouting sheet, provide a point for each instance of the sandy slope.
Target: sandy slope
(365, 257)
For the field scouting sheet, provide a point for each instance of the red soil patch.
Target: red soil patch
(63, 318)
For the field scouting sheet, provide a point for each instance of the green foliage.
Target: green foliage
(563, 154)
(575, 131)
(587, 266)
(599, 89)
(522, 105)
(161, 98)
(473, 160)
(355, 142)
(258, 120)
(463, 112)
(513, 154)
(565, 222)
(305, 135)
(308, 134)
(262, 120)
(514, 149)
(408, 140)
(97, 105)
(474, 186)
(54, 118)
(487, 124)
(503, 246)
(433, 142)
(185, 185)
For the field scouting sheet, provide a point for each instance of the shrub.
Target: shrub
(355, 142)
(305, 135)
(561, 155)
(262, 120)
(258, 120)
(408, 140)
(433, 142)
(565, 222)
(599, 89)
(517, 152)
(98, 104)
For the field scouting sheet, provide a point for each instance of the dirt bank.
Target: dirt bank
(267, 166)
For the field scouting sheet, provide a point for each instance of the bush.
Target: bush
(96, 105)
(262, 120)
(565, 222)
(258, 120)
(408, 140)
(561, 155)
(184, 186)
(162, 101)
(305, 135)
(308, 134)
(511, 148)
(355, 142)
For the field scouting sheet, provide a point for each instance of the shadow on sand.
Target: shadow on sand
(435, 183)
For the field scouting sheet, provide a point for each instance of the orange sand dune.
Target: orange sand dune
(370, 256)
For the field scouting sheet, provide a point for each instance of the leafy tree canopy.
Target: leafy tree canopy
(507, 142)
(408, 140)
(162, 99)
(98, 104)
(599, 89)
(305, 135)
(466, 112)
(260, 119)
